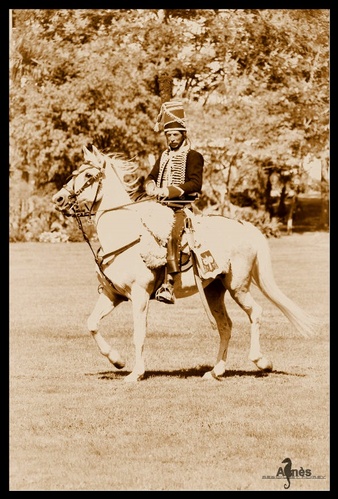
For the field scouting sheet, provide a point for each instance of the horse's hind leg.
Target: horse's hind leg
(214, 293)
(254, 311)
(103, 307)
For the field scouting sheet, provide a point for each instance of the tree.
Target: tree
(254, 83)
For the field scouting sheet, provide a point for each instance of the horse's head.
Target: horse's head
(83, 187)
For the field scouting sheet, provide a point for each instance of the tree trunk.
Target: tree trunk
(293, 205)
(165, 84)
(268, 199)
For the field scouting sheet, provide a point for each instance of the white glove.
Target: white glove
(162, 192)
(150, 188)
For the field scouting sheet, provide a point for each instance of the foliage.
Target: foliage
(270, 227)
(34, 218)
(254, 83)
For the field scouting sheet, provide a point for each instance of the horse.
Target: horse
(130, 262)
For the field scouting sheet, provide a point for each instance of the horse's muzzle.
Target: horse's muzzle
(62, 200)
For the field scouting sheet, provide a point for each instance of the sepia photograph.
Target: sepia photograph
(169, 250)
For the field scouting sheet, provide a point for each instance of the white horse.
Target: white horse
(130, 265)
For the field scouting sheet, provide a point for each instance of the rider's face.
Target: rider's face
(174, 138)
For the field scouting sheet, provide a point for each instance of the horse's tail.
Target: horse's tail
(263, 275)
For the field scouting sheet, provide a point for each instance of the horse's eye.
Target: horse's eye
(88, 175)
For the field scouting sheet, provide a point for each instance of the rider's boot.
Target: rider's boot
(166, 292)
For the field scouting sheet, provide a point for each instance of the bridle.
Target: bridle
(73, 203)
(78, 213)
(73, 195)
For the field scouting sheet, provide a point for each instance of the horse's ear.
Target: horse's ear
(98, 156)
(89, 156)
(96, 151)
(86, 152)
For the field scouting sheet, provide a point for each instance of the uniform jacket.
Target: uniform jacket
(193, 175)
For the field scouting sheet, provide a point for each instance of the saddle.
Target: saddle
(173, 238)
(180, 246)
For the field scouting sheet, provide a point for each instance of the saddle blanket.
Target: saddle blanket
(156, 225)
(207, 240)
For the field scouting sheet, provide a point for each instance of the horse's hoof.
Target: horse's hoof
(115, 360)
(264, 364)
(210, 375)
(119, 364)
(133, 378)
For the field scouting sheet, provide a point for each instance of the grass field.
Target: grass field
(75, 425)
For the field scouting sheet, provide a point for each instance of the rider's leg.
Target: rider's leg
(166, 291)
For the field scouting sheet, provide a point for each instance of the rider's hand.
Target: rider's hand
(162, 192)
(150, 188)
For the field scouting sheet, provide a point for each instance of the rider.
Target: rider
(176, 176)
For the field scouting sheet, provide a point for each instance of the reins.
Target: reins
(90, 214)
(78, 213)
(99, 260)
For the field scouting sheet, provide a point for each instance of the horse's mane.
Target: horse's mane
(125, 169)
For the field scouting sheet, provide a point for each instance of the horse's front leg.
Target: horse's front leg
(103, 307)
(140, 303)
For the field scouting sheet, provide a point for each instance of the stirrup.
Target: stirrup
(165, 293)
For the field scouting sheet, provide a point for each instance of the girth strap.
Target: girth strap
(100, 258)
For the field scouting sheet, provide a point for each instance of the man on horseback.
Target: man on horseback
(177, 177)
